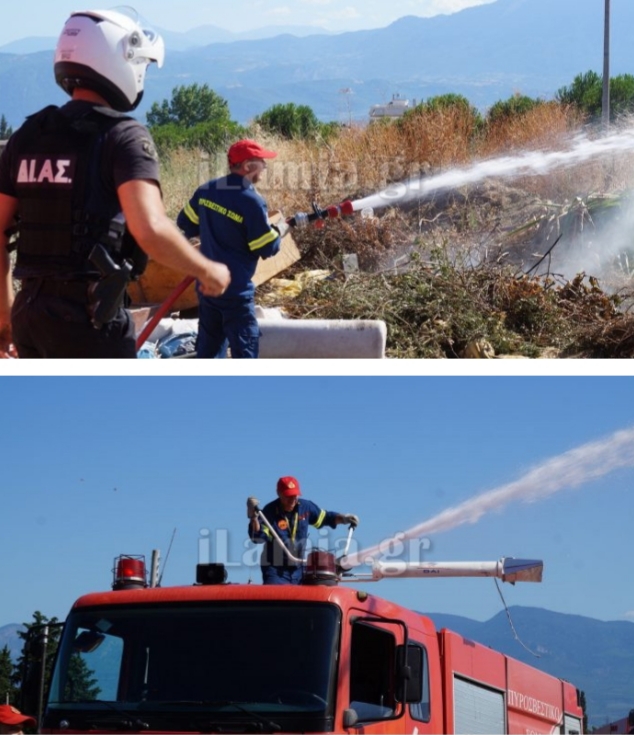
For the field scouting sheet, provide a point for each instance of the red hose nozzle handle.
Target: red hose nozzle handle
(344, 209)
(347, 208)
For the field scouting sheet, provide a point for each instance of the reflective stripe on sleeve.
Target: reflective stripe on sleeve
(320, 520)
(191, 214)
(263, 241)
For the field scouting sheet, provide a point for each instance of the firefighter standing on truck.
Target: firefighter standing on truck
(72, 179)
(290, 517)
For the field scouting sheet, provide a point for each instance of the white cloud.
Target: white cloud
(629, 615)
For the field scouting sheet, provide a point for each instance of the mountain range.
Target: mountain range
(9, 637)
(175, 40)
(596, 656)
(486, 53)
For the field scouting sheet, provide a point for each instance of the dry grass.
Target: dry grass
(543, 127)
(182, 172)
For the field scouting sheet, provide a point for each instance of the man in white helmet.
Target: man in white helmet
(72, 179)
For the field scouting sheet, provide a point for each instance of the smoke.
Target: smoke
(581, 150)
(567, 471)
(601, 246)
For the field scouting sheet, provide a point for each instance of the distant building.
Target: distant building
(396, 107)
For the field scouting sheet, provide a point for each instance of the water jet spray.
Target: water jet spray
(581, 150)
(567, 471)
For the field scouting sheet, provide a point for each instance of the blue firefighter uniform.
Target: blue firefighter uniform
(292, 528)
(231, 219)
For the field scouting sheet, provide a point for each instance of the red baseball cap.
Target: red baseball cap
(244, 150)
(288, 487)
(10, 715)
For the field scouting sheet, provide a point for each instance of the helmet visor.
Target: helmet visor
(145, 42)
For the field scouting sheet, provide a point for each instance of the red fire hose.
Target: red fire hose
(162, 310)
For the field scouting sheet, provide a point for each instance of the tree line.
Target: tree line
(197, 117)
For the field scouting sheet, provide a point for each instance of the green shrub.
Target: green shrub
(290, 121)
(512, 107)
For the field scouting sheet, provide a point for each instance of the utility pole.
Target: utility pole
(605, 105)
(42, 682)
(346, 92)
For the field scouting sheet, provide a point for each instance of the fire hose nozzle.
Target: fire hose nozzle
(302, 219)
(298, 220)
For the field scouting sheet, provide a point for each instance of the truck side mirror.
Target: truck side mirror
(350, 718)
(409, 674)
(88, 641)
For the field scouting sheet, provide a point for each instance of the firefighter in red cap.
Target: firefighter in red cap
(13, 721)
(290, 517)
(231, 219)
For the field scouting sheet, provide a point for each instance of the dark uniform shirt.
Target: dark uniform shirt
(128, 153)
(231, 219)
(292, 528)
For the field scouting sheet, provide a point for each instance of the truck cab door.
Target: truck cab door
(387, 674)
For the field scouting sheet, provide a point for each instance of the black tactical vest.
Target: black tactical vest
(64, 207)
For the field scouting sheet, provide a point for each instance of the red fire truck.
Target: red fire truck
(321, 657)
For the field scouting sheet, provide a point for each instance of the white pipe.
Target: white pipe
(381, 569)
(348, 540)
(263, 519)
(507, 569)
(322, 338)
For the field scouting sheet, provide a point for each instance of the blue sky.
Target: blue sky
(94, 467)
(43, 18)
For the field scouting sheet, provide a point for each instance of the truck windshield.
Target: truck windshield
(196, 668)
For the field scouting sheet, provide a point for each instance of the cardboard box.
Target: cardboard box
(158, 281)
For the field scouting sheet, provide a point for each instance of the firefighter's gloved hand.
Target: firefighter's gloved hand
(252, 507)
(351, 520)
(282, 227)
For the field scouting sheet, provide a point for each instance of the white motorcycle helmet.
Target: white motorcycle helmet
(109, 52)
